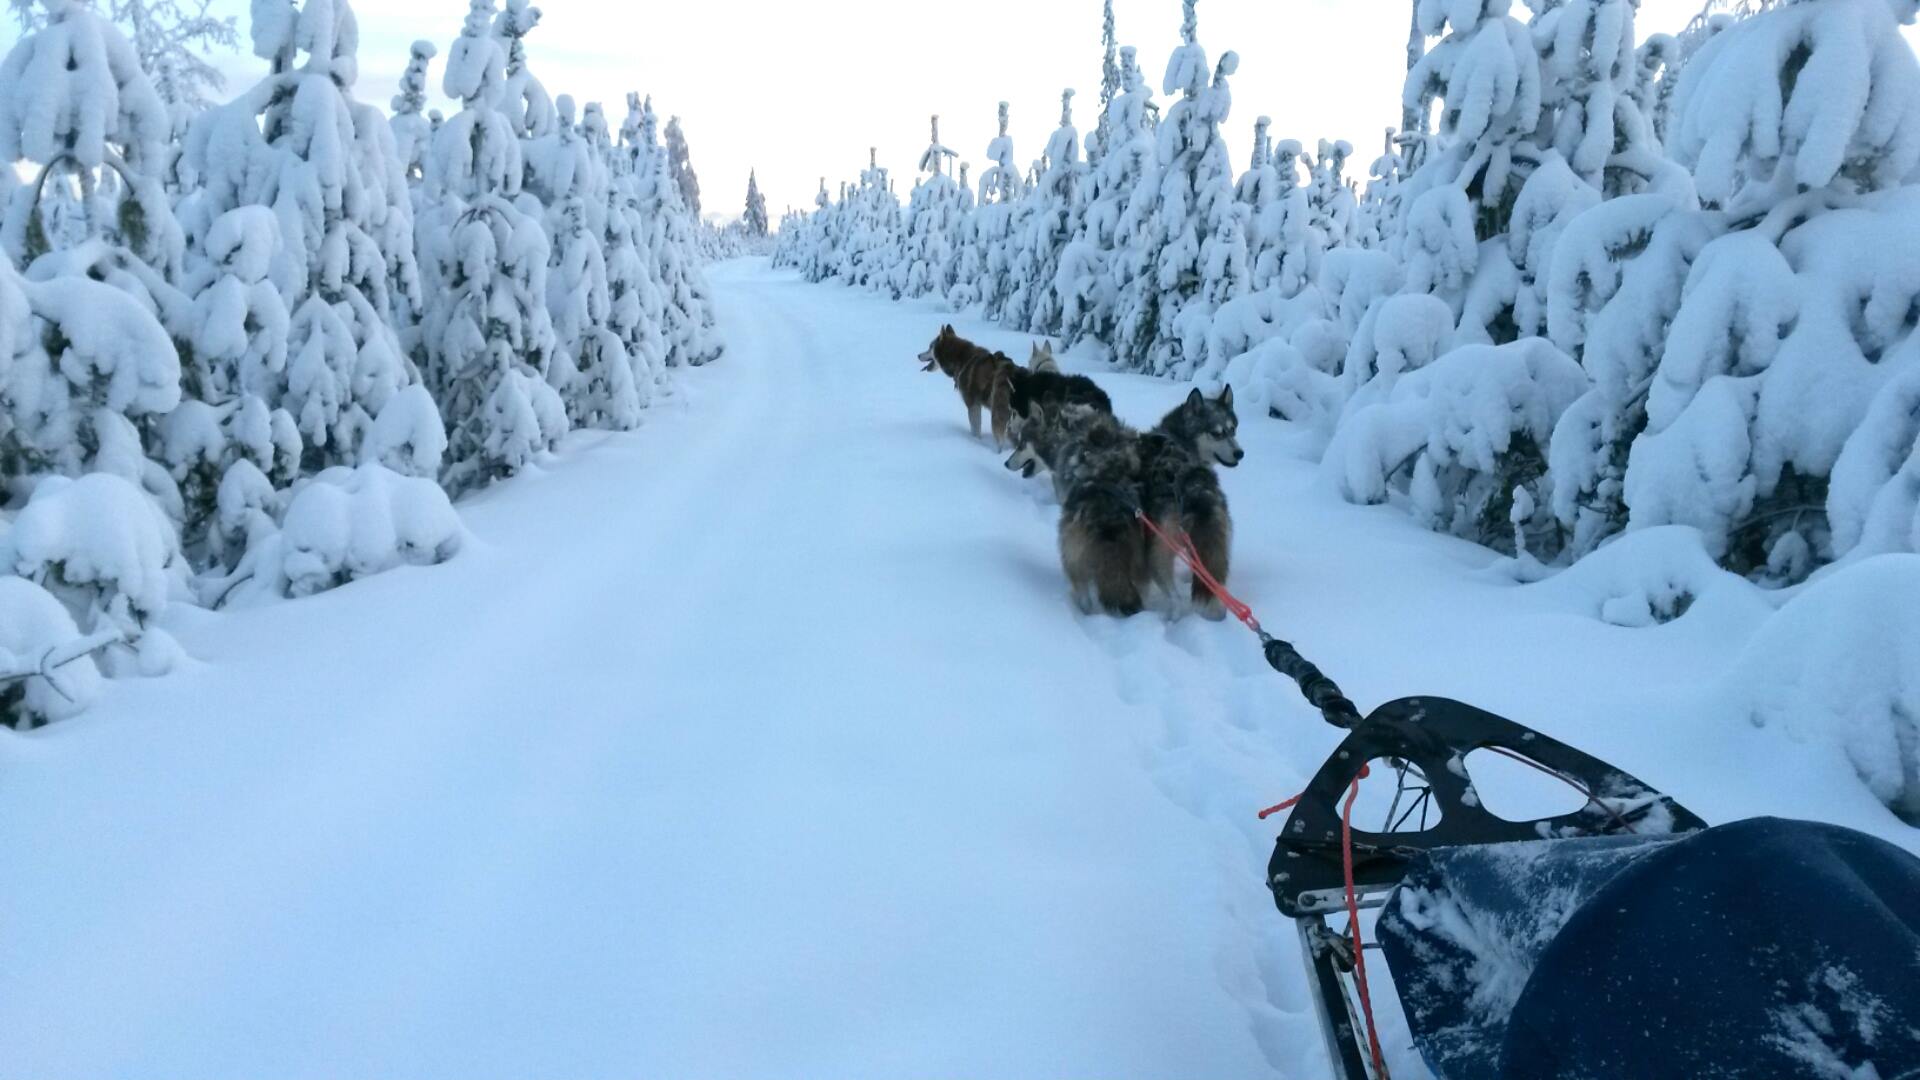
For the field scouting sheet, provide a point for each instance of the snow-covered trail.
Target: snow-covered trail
(761, 742)
(764, 742)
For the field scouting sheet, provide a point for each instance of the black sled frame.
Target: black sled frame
(1424, 741)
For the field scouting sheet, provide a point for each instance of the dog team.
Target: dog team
(1107, 475)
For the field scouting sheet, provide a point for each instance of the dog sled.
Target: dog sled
(1627, 940)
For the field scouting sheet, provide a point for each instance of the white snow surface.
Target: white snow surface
(763, 741)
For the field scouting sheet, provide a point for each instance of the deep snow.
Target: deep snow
(764, 742)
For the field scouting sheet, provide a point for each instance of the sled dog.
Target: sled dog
(1042, 359)
(1208, 426)
(1051, 391)
(1095, 463)
(981, 377)
(1181, 494)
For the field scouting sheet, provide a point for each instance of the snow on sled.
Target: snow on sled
(1623, 941)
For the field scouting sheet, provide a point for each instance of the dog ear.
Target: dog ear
(1196, 398)
(1035, 413)
(1226, 396)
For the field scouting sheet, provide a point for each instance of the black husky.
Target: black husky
(1050, 392)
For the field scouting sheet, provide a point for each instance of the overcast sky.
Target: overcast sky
(801, 90)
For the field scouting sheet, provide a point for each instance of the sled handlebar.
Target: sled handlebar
(1321, 692)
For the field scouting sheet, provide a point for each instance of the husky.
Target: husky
(1181, 495)
(1042, 359)
(1102, 547)
(1042, 381)
(1049, 438)
(1095, 462)
(1207, 426)
(1049, 391)
(980, 375)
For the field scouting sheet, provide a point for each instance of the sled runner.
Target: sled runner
(1623, 941)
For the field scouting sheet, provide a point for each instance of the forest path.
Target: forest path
(761, 742)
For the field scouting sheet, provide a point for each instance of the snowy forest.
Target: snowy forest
(480, 599)
(251, 350)
(1592, 285)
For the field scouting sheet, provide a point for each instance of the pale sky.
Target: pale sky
(798, 90)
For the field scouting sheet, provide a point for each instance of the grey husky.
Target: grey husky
(1181, 494)
(1095, 462)
(1208, 426)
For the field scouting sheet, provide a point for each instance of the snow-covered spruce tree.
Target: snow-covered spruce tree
(298, 144)
(413, 142)
(1186, 198)
(1248, 340)
(79, 115)
(591, 369)
(755, 215)
(636, 310)
(1258, 188)
(1285, 243)
(1587, 65)
(1048, 226)
(1000, 192)
(1094, 269)
(412, 135)
(524, 98)
(85, 371)
(1653, 62)
(1714, 17)
(680, 162)
(1377, 218)
(1802, 124)
(964, 289)
(1333, 202)
(73, 100)
(1482, 214)
(1292, 260)
(1110, 86)
(1595, 86)
(1601, 146)
(1486, 73)
(931, 212)
(817, 256)
(170, 39)
(87, 368)
(1615, 285)
(667, 229)
(1602, 279)
(565, 190)
(871, 225)
(1467, 432)
(488, 334)
(236, 372)
(800, 235)
(1539, 122)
